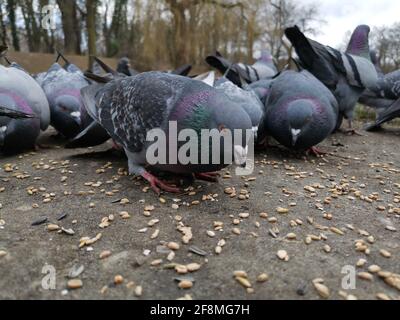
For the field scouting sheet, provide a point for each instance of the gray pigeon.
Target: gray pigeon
(300, 111)
(261, 88)
(264, 68)
(21, 93)
(384, 98)
(347, 74)
(124, 66)
(129, 108)
(62, 87)
(246, 98)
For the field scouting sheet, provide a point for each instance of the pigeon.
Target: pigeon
(245, 97)
(18, 81)
(21, 93)
(384, 98)
(62, 87)
(128, 108)
(124, 67)
(264, 68)
(300, 111)
(347, 74)
(261, 88)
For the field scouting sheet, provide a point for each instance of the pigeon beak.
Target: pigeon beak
(76, 115)
(295, 136)
(241, 155)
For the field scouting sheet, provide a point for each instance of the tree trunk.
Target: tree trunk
(11, 7)
(3, 28)
(68, 17)
(91, 8)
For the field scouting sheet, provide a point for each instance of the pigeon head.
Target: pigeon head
(230, 116)
(66, 115)
(359, 42)
(300, 115)
(124, 65)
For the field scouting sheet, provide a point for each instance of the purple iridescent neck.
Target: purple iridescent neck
(20, 102)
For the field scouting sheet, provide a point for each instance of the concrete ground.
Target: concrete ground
(333, 213)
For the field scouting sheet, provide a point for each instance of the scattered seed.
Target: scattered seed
(281, 210)
(291, 236)
(173, 246)
(262, 277)
(385, 253)
(322, 290)
(75, 284)
(118, 279)
(383, 296)
(138, 291)
(244, 282)
(365, 276)
(105, 254)
(283, 255)
(3, 253)
(374, 268)
(192, 267)
(76, 271)
(185, 284)
(181, 269)
(236, 231)
(211, 234)
(53, 227)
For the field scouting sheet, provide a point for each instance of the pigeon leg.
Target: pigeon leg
(156, 184)
(351, 131)
(208, 176)
(316, 152)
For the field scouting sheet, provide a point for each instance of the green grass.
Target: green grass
(366, 114)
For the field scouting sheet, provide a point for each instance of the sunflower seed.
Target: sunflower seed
(76, 271)
(197, 251)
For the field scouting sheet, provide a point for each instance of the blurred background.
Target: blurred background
(163, 34)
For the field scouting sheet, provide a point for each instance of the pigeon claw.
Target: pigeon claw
(158, 186)
(208, 176)
(316, 152)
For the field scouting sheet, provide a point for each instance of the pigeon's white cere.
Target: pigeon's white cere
(240, 154)
(3, 129)
(295, 132)
(76, 114)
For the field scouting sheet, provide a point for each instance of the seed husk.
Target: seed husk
(39, 221)
(197, 251)
(75, 284)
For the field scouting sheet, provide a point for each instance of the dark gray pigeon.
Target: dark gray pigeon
(124, 66)
(264, 68)
(300, 111)
(384, 98)
(129, 108)
(347, 74)
(62, 87)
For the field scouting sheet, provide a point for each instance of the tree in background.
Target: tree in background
(159, 34)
